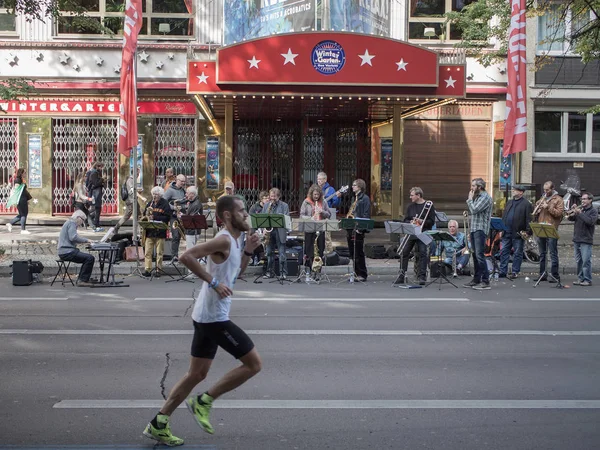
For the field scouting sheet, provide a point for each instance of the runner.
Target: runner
(212, 327)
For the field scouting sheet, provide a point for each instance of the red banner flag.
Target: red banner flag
(515, 130)
(128, 135)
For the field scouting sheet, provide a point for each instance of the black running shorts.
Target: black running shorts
(227, 335)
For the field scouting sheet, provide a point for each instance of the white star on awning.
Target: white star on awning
(366, 58)
(450, 82)
(253, 62)
(289, 57)
(202, 78)
(401, 64)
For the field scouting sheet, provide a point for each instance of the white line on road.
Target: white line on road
(310, 332)
(578, 299)
(343, 404)
(313, 299)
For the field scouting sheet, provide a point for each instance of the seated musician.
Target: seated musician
(157, 209)
(316, 208)
(416, 214)
(458, 247)
(192, 207)
(68, 251)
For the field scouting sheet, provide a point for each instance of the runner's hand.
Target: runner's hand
(223, 290)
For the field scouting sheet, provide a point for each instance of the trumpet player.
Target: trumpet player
(516, 218)
(480, 206)
(415, 214)
(316, 208)
(175, 194)
(155, 238)
(360, 209)
(131, 194)
(549, 209)
(585, 217)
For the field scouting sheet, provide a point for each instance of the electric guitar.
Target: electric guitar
(342, 190)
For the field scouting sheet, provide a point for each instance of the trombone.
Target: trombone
(416, 221)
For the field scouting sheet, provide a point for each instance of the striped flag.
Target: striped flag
(128, 135)
(515, 130)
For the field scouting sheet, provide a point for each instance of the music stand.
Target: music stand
(408, 229)
(438, 237)
(154, 225)
(308, 225)
(496, 226)
(355, 225)
(545, 231)
(272, 221)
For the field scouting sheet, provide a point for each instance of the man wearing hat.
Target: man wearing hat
(68, 251)
(230, 190)
(516, 218)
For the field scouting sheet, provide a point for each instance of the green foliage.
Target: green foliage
(13, 88)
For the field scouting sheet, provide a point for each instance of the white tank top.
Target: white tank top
(208, 306)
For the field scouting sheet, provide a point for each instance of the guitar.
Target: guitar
(342, 190)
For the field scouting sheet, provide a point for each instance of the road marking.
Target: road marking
(578, 299)
(36, 299)
(313, 299)
(309, 332)
(342, 404)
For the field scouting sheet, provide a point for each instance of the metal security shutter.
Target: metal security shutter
(443, 156)
(9, 159)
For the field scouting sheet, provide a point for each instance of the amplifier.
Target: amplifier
(294, 255)
(23, 272)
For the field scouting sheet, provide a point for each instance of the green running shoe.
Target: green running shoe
(201, 412)
(162, 435)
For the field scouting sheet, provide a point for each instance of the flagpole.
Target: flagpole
(135, 168)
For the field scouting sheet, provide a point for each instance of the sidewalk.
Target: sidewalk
(41, 244)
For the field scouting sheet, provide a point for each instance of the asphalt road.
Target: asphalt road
(345, 367)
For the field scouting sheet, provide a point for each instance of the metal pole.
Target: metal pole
(135, 168)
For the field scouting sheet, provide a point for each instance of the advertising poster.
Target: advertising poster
(386, 164)
(360, 16)
(249, 19)
(140, 172)
(505, 170)
(212, 162)
(34, 150)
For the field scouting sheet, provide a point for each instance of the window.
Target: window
(8, 23)
(567, 134)
(161, 18)
(557, 25)
(430, 14)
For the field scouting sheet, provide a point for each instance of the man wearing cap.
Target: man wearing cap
(516, 218)
(68, 251)
(230, 190)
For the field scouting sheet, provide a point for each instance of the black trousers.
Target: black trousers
(85, 259)
(421, 250)
(357, 240)
(309, 247)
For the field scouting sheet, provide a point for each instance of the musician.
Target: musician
(416, 214)
(169, 178)
(131, 194)
(316, 208)
(95, 187)
(549, 209)
(229, 187)
(480, 206)
(516, 218)
(328, 191)
(192, 207)
(278, 236)
(175, 196)
(360, 209)
(155, 239)
(257, 208)
(458, 247)
(68, 251)
(585, 217)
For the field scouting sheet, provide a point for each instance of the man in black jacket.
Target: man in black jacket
(361, 209)
(585, 218)
(416, 215)
(95, 186)
(155, 238)
(516, 218)
(193, 207)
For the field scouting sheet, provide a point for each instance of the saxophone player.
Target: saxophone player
(193, 206)
(278, 237)
(161, 211)
(549, 209)
(416, 214)
(360, 209)
(316, 208)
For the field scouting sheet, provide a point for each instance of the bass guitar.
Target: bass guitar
(342, 190)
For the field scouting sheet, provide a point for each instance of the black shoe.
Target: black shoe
(502, 275)
(483, 286)
(146, 274)
(157, 275)
(471, 283)
(554, 280)
(544, 278)
(422, 281)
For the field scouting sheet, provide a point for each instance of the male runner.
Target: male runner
(212, 327)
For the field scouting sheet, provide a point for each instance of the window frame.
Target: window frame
(566, 44)
(430, 20)
(564, 136)
(146, 16)
(9, 33)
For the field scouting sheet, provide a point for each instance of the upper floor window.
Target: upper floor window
(559, 133)
(426, 19)
(557, 25)
(8, 23)
(161, 18)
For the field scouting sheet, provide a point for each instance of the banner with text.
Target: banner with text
(361, 16)
(249, 19)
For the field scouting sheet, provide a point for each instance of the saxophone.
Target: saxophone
(147, 217)
(267, 231)
(317, 261)
(176, 223)
(350, 214)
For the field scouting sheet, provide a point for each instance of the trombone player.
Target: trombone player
(417, 214)
(549, 209)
